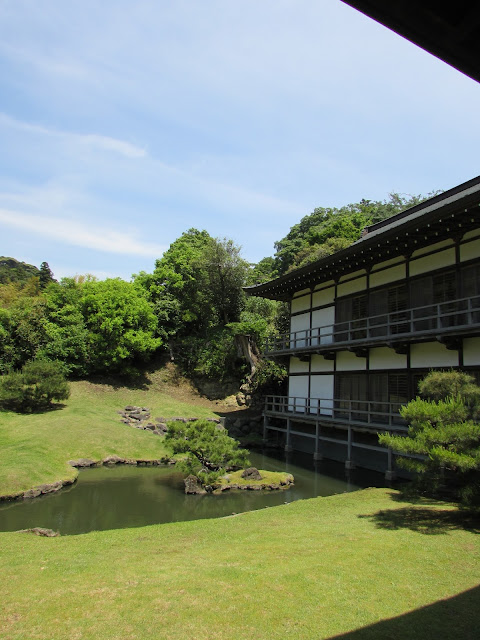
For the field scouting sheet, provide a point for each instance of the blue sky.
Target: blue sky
(123, 124)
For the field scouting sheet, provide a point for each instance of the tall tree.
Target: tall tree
(46, 275)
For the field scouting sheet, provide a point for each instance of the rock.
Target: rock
(114, 459)
(251, 473)
(32, 493)
(82, 462)
(149, 425)
(129, 407)
(177, 419)
(162, 420)
(193, 485)
(40, 531)
(50, 488)
(161, 426)
(240, 398)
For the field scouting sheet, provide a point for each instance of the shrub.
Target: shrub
(34, 387)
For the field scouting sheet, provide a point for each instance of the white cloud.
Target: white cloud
(75, 233)
(102, 142)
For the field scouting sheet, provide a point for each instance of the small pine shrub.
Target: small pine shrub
(34, 387)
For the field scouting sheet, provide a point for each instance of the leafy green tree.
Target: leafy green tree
(34, 387)
(208, 449)
(12, 270)
(225, 272)
(326, 230)
(261, 272)
(22, 331)
(445, 435)
(65, 328)
(120, 323)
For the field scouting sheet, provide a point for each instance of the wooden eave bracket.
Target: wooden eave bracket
(452, 343)
(360, 352)
(399, 347)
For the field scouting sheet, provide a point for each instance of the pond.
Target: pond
(128, 496)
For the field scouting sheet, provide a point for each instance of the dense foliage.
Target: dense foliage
(34, 387)
(208, 449)
(12, 270)
(327, 230)
(445, 433)
(192, 304)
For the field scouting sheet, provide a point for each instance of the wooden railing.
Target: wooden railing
(383, 414)
(439, 318)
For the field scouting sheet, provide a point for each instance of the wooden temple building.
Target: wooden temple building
(368, 322)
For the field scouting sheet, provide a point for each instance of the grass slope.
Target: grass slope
(34, 449)
(313, 569)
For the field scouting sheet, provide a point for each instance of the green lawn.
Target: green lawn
(310, 569)
(361, 566)
(34, 449)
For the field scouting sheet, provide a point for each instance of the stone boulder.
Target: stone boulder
(252, 473)
(193, 485)
(40, 531)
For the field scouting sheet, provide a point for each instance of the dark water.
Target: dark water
(125, 496)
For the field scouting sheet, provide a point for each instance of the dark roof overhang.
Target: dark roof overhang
(448, 215)
(448, 30)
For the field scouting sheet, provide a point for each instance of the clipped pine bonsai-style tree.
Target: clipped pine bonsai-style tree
(208, 451)
(34, 388)
(443, 435)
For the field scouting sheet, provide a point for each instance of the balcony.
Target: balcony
(370, 415)
(445, 322)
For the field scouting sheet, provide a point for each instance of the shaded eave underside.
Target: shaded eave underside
(448, 30)
(449, 215)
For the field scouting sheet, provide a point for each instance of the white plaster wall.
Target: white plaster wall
(474, 233)
(432, 247)
(323, 320)
(320, 364)
(435, 261)
(471, 351)
(352, 274)
(388, 263)
(388, 275)
(385, 358)
(326, 296)
(297, 366)
(299, 324)
(300, 304)
(470, 250)
(359, 284)
(321, 394)
(432, 354)
(347, 361)
(298, 388)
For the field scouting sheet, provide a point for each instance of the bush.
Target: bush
(34, 387)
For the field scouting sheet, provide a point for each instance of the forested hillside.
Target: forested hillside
(192, 306)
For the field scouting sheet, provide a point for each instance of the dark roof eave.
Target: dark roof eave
(400, 225)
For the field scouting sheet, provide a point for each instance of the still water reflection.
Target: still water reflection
(125, 496)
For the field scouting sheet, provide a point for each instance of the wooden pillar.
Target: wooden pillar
(390, 472)
(349, 462)
(317, 455)
(265, 427)
(288, 445)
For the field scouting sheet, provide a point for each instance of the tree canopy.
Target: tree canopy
(192, 303)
